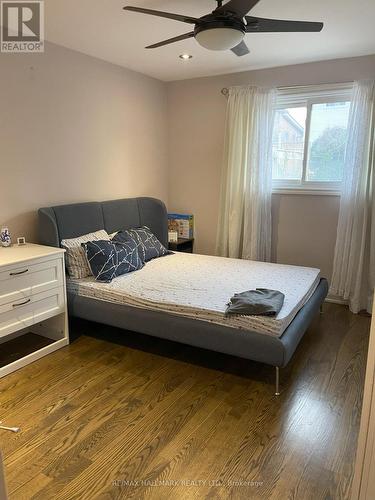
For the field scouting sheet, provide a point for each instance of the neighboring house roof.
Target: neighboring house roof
(289, 118)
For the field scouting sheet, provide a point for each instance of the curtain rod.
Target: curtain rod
(225, 90)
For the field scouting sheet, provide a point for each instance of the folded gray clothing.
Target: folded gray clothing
(259, 302)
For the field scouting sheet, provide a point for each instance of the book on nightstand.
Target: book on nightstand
(183, 224)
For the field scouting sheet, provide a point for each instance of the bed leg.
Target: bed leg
(277, 382)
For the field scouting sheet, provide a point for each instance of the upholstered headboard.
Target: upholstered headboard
(70, 221)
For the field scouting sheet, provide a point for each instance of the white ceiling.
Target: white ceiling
(102, 29)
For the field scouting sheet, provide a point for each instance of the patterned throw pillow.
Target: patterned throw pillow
(76, 260)
(110, 259)
(149, 247)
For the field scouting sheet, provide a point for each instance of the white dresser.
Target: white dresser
(32, 304)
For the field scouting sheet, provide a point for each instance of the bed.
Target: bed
(182, 297)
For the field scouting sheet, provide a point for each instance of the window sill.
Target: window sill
(306, 191)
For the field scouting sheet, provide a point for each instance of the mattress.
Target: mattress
(200, 286)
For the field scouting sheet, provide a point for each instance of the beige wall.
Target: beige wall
(304, 226)
(74, 128)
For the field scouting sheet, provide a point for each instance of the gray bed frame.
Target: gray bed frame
(70, 221)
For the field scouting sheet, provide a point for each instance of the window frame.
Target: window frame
(294, 97)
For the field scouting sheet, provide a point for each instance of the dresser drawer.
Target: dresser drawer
(28, 279)
(29, 310)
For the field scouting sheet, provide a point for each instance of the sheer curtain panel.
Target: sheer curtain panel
(244, 229)
(353, 276)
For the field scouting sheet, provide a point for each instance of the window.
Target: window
(309, 138)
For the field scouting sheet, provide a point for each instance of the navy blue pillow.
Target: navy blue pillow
(149, 247)
(110, 259)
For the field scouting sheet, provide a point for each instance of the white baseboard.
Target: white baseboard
(336, 300)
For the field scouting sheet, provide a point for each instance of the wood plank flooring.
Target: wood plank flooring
(119, 415)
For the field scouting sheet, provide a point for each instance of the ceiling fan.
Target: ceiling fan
(227, 25)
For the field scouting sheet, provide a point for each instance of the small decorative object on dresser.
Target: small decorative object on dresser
(21, 241)
(33, 313)
(5, 238)
(185, 245)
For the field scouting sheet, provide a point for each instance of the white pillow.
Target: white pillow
(76, 260)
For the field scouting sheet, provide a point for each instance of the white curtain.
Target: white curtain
(354, 264)
(244, 229)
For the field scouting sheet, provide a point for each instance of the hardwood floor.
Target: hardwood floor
(121, 415)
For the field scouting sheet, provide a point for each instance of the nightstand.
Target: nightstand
(33, 311)
(182, 245)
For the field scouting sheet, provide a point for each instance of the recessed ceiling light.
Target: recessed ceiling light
(186, 57)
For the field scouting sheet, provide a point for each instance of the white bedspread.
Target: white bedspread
(199, 286)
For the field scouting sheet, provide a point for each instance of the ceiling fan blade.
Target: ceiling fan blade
(262, 25)
(171, 40)
(241, 49)
(168, 15)
(238, 7)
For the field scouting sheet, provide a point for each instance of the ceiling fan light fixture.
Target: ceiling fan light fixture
(226, 26)
(222, 38)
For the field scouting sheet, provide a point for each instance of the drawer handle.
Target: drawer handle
(17, 274)
(22, 303)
